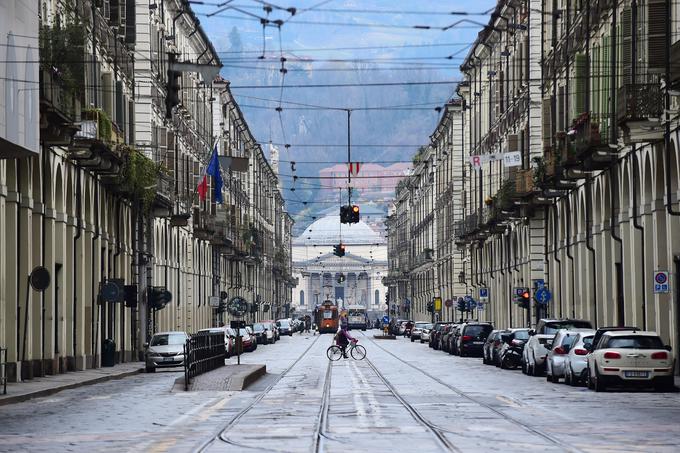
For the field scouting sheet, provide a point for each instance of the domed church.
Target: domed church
(354, 279)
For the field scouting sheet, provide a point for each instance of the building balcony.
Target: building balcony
(588, 144)
(203, 224)
(59, 109)
(97, 146)
(524, 183)
(639, 112)
(165, 191)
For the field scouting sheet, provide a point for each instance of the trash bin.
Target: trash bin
(109, 352)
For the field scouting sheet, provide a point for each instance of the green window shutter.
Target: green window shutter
(580, 84)
(656, 39)
(626, 46)
(605, 74)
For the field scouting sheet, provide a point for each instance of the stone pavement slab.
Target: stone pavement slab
(48, 385)
(226, 378)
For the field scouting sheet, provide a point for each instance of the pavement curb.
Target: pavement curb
(51, 391)
(238, 383)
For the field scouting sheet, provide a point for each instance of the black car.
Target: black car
(471, 338)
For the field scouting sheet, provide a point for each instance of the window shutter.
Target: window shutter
(561, 109)
(546, 125)
(627, 45)
(580, 84)
(513, 142)
(656, 38)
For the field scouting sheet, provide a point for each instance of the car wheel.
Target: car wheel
(598, 384)
(412, 339)
(461, 353)
(567, 376)
(150, 369)
(665, 385)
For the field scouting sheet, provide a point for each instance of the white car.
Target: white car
(576, 361)
(535, 351)
(425, 333)
(557, 354)
(417, 330)
(636, 358)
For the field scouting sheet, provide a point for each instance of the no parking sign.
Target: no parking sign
(661, 282)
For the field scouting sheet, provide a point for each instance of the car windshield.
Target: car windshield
(553, 327)
(421, 325)
(166, 339)
(635, 342)
(258, 327)
(356, 313)
(427, 326)
(243, 332)
(522, 335)
(477, 330)
(588, 340)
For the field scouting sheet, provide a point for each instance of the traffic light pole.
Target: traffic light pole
(349, 157)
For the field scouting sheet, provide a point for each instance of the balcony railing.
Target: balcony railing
(54, 93)
(588, 145)
(524, 182)
(639, 102)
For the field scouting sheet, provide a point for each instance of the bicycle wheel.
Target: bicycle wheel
(334, 353)
(358, 352)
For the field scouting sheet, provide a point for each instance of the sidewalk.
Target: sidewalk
(43, 386)
(225, 378)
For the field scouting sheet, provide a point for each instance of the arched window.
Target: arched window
(302, 297)
(377, 298)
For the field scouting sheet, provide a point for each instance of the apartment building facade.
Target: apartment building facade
(110, 194)
(583, 96)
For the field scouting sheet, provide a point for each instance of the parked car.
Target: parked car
(491, 347)
(417, 330)
(557, 354)
(247, 340)
(451, 339)
(630, 358)
(165, 350)
(263, 335)
(575, 364)
(535, 350)
(444, 343)
(436, 333)
(270, 330)
(470, 338)
(425, 332)
(284, 327)
(275, 328)
(512, 341)
(403, 326)
(227, 340)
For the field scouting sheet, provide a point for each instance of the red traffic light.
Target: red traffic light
(525, 295)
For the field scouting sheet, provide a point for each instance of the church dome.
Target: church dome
(326, 231)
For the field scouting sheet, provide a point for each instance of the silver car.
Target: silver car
(557, 353)
(576, 362)
(165, 350)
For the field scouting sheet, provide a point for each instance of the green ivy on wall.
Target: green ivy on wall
(139, 176)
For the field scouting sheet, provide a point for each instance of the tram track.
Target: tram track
(469, 397)
(222, 434)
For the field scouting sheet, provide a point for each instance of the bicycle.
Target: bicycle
(358, 352)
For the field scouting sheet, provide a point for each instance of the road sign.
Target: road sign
(483, 294)
(480, 306)
(519, 291)
(238, 306)
(470, 302)
(386, 319)
(448, 303)
(539, 283)
(542, 295)
(661, 282)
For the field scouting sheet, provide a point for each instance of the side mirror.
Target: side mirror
(146, 345)
(668, 348)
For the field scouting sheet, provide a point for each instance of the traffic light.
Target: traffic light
(339, 250)
(523, 299)
(349, 214)
(354, 214)
(430, 307)
(159, 297)
(172, 98)
(461, 304)
(222, 307)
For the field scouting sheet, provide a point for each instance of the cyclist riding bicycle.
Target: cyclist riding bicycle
(342, 339)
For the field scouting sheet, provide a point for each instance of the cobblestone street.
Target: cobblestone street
(403, 394)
